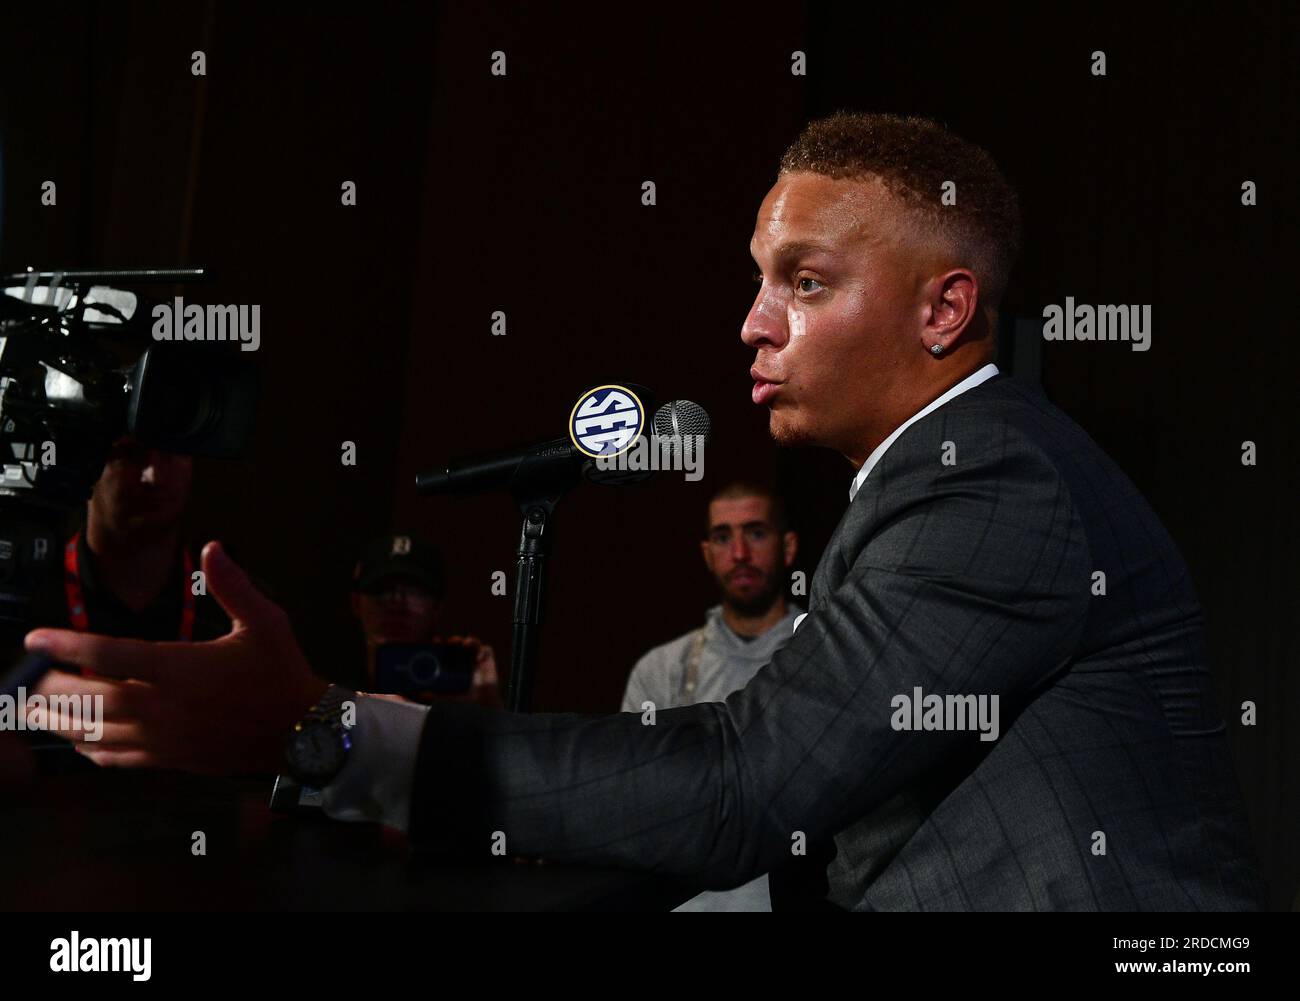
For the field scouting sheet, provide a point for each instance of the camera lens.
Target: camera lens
(424, 669)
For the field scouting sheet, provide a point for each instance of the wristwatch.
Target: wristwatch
(318, 746)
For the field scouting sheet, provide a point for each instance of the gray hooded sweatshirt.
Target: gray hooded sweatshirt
(724, 663)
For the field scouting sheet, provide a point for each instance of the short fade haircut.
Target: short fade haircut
(914, 157)
(745, 488)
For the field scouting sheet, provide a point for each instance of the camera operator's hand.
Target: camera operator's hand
(222, 707)
(487, 689)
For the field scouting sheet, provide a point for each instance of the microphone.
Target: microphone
(558, 464)
(682, 418)
(556, 460)
(681, 430)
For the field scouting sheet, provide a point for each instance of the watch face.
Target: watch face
(316, 752)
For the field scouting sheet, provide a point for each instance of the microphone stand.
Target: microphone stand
(537, 482)
(530, 589)
(537, 490)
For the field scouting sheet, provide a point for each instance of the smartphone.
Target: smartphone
(416, 669)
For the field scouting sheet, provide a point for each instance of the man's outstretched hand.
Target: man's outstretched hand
(221, 707)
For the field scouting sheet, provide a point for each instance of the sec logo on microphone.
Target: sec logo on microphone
(606, 421)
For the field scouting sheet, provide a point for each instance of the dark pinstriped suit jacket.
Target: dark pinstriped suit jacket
(974, 577)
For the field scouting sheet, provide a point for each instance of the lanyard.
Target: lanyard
(692, 676)
(77, 601)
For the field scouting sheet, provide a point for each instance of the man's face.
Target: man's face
(399, 612)
(836, 322)
(141, 489)
(746, 554)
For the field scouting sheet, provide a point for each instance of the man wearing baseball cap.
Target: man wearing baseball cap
(397, 591)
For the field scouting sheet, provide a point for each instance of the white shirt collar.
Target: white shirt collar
(970, 382)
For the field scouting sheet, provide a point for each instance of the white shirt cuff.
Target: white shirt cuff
(375, 782)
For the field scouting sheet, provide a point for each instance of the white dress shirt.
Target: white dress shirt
(377, 779)
(376, 782)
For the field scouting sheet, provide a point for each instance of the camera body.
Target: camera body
(420, 670)
(78, 370)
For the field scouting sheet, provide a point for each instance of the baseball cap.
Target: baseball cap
(397, 559)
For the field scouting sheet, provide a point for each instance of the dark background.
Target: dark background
(522, 193)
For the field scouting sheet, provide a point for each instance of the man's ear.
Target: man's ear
(790, 545)
(954, 302)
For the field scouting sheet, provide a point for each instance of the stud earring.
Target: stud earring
(937, 350)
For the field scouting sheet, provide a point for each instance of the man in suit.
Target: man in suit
(995, 576)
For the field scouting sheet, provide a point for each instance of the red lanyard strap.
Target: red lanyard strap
(77, 602)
